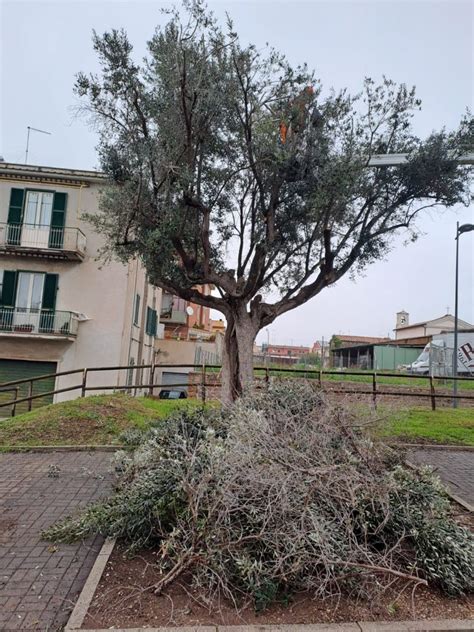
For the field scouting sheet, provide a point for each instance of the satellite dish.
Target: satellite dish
(189, 310)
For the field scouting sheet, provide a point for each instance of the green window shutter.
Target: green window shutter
(15, 210)
(7, 299)
(148, 321)
(56, 235)
(15, 216)
(49, 291)
(151, 321)
(59, 210)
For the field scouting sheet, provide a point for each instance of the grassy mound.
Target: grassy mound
(95, 420)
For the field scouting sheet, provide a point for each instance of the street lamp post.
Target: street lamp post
(464, 228)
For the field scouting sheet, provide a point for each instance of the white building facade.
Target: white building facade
(61, 308)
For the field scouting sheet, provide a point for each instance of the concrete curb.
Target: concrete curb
(433, 446)
(82, 605)
(446, 625)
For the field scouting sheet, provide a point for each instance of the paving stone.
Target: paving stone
(39, 584)
(454, 467)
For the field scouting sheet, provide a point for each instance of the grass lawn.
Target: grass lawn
(95, 420)
(445, 425)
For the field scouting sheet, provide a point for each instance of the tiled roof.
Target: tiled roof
(368, 339)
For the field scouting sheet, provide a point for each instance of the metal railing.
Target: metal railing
(371, 387)
(22, 320)
(42, 237)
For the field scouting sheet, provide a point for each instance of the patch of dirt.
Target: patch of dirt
(121, 601)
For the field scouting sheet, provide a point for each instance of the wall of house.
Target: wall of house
(410, 332)
(103, 293)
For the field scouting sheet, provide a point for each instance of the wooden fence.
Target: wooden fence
(205, 370)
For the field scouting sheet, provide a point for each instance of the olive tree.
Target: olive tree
(229, 167)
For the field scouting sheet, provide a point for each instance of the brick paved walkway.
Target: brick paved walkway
(39, 584)
(454, 467)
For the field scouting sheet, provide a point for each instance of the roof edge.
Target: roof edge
(12, 168)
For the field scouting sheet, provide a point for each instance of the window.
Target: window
(151, 321)
(136, 309)
(38, 208)
(30, 290)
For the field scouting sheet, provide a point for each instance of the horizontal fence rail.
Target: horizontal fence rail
(205, 370)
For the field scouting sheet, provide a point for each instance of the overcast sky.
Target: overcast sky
(428, 44)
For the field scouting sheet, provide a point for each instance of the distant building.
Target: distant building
(184, 320)
(406, 331)
(218, 326)
(283, 354)
(350, 341)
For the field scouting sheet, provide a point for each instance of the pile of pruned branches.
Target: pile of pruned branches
(281, 492)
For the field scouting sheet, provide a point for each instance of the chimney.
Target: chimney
(403, 319)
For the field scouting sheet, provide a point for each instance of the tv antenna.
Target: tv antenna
(32, 129)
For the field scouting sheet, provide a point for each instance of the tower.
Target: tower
(402, 319)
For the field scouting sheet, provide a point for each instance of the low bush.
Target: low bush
(278, 493)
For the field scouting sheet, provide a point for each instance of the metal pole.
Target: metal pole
(27, 145)
(455, 350)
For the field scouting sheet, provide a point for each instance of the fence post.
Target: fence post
(84, 381)
(374, 390)
(30, 394)
(152, 376)
(320, 378)
(433, 395)
(203, 383)
(14, 403)
(267, 376)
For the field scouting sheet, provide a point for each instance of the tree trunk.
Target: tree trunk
(237, 359)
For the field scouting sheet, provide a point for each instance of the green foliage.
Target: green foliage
(420, 509)
(198, 169)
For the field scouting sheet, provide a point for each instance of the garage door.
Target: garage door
(20, 369)
(169, 379)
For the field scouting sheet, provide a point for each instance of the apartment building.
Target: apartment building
(183, 320)
(60, 307)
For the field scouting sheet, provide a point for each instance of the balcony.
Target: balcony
(23, 322)
(65, 243)
(173, 316)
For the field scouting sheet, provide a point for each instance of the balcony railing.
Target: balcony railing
(64, 243)
(176, 316)
(33, 322)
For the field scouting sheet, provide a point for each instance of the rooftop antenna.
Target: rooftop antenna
(32, 129)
